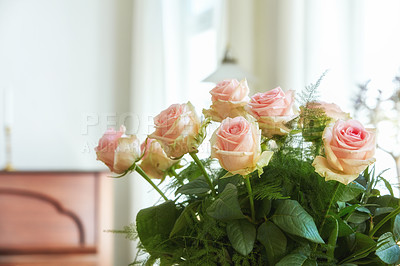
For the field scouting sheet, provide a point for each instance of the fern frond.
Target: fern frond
(269, 191)
(310, 93)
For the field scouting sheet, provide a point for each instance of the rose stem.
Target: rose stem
(330, 205)
(248, 185)
(201, 166)
(142, 173)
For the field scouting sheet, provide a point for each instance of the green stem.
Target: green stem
(384, 220)
(172, 171)
(203, 170)
(248, 185)
(142, 173)
(329, 206)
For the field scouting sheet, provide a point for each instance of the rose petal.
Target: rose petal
(322, 167)
(330, 155)
(235, 161)
(351, 166)
(178, 138)
(127, 152)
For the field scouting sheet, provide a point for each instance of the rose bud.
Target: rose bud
(228, 100)
(117, 151)
(154, 161)
(236, 145)
(349, 149)
(272, 109)
(176, 129)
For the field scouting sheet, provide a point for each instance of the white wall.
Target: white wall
(63, 60)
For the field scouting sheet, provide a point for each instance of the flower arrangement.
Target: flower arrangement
(283, 185)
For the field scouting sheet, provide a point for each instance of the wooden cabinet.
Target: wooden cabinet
(55, 218)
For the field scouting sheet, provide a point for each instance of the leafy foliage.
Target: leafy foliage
(293, 222)
(300, 219)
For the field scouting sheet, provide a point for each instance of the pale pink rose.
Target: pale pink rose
(331, 110)
(236, 145)
(176, 129)
(349, 149)
(228, 100)
(272, 109)
(117, 151)
(154, 161)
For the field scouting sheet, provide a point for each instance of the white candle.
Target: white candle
(8, 107)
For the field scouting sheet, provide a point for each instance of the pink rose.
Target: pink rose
(349, 149)
(236, 145)
(176, 129)
(154, 161)
(116, 151)
(272, 109)
(228, 100)
(331, 110)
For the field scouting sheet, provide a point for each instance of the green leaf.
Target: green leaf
(361, 248)
(263, 208)
(332, 241)
(388, 251)
(192, 171)
(197, 186)
(156, 222)
(293, 260)
(387, 185)
(226, 206)
(384, 201)
(364, 242)
(184, 219)
(396, 227)
(293, 219)
(358, 217)
(222, 182)
(383, 210)
(274, 241)
(348, 210)
(349, 192)
(241, 234)
(344, 228)
(310, 262)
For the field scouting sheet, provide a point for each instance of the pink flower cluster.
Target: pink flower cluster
(349, 147)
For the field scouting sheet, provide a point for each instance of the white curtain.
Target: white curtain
(287, 43)
(165, 40)
(290, 43)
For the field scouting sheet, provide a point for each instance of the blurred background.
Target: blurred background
(70, 69)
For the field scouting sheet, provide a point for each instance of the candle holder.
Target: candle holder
(8, 167)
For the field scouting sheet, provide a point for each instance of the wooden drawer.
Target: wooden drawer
(54, 217)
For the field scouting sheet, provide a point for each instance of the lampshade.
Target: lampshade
(229, 69)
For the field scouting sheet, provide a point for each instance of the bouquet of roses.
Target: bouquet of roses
(283, 185)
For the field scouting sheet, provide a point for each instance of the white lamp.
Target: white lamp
(229, 69)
